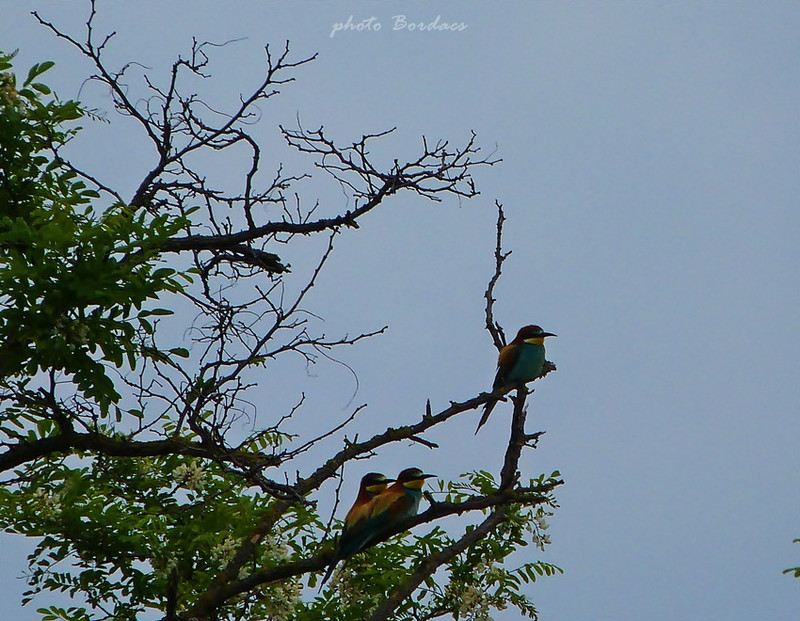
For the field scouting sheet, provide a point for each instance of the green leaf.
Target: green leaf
(37, 70)
(160, 311)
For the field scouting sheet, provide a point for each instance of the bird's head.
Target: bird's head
(374, 483)
(532, 334)
(413, 478)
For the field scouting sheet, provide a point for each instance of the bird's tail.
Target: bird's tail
(487, 409)
(328, 573)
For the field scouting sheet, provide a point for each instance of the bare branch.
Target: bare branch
(494, 328)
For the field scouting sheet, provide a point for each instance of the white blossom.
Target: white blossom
(281, 599)
(224, 552)
(190, 475)
(9, 95)
(48, 505)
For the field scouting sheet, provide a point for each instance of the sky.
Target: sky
(650, 178)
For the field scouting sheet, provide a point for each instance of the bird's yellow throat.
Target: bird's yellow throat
(536, 340)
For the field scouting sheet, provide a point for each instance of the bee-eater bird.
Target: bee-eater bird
(519, 362)
(399, 502)
(355, 537)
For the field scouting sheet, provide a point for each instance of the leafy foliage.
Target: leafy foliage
(71, 280)
(116, 530)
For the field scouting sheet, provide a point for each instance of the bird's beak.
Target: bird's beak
(426, 476)
(388, 480)
(548, 334)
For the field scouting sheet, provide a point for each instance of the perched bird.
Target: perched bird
(519, 362)
(398, 502)
(354, 535)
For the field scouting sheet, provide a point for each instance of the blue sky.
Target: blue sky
(650, 178)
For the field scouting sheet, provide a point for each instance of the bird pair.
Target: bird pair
(378, 508)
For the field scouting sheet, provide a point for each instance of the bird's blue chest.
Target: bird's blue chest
(529, 364)
(413, 496)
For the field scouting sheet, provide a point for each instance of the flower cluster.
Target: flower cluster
(48, 504)
(190, 475)
(472, 603)
(348, 591)
(75, 333)
(9, 96)
(472, 600)
(224, 552)
(274, 549)
(280, 600)
(537, 525)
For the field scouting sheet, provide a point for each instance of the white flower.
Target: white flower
(280, 600)
(190, 475)
(49, 505)
(472, 601)
(223, 552)
(8, 93)
(274, 548)
(541, 522)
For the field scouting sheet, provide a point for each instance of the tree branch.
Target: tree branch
(494, 328)
(76, 442)
(436, 560)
